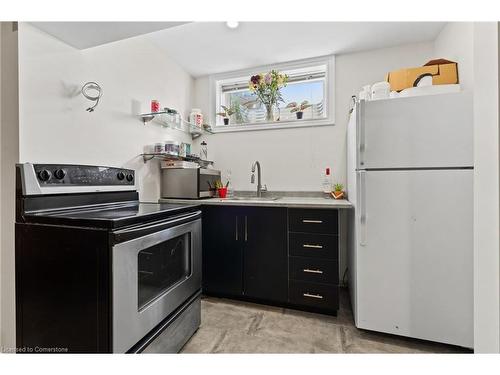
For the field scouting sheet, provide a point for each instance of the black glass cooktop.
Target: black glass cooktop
(111, 216)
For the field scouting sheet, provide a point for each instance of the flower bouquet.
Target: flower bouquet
(267, 89)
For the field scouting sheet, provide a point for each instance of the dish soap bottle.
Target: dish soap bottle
(327, 182)
(230, 190)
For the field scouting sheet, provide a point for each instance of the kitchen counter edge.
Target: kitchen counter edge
(291, 202)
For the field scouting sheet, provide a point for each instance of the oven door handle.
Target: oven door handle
(148, 227)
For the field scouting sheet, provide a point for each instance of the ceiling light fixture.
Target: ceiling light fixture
(232, 24)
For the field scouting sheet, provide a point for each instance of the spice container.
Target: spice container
(172, 148)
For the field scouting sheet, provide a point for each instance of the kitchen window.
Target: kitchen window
(309, 80)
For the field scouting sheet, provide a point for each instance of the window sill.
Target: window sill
(272, 125)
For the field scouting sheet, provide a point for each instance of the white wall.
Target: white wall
(294, 159)
(486, 189)
(455, 43)
(9, 139)
(54, 126)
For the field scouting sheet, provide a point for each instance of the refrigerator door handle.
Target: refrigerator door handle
(362, 208)
(361, 133)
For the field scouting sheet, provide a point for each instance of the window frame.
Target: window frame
(329, 95)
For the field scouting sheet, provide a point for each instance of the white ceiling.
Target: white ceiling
(211, 47)
(90, 34)
(203, 48)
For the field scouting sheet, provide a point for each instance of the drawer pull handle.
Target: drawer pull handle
(312, 221)
(312, 246)
(317, 296)
(307, 270)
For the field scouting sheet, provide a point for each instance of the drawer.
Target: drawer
(313, 221)
(314, 270)
(320, 296)
(313, 245)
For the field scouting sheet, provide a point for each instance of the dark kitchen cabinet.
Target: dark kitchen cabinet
(265, 254)
(289, 257)
(222, 251)
(313, 259)
(245, 252)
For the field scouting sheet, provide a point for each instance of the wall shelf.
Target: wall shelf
(167, 119)
(150, 156)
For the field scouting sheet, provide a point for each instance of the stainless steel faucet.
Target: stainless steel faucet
(260, 188)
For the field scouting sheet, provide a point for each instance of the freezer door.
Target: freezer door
(418, 132)
(414, 255)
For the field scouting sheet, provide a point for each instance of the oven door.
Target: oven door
(153, 275)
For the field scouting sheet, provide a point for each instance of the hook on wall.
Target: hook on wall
(93, 92)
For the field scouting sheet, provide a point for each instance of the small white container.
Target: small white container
(365, 93)
(380, 90)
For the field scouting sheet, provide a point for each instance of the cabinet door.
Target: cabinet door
(265, 254)
(222, 250)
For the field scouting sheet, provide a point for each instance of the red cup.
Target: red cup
(222, 192)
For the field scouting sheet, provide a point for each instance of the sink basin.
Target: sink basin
(253, 199)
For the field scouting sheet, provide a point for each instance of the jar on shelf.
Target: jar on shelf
(172, 148)
(159, 148)
(196, 117)
(185, 149)
(155, 106)
(178, 121)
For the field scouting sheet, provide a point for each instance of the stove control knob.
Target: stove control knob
(59, 174)
(120, 175)
(44, 175)
(130, 178)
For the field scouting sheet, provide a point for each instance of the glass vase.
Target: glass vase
(269, 112)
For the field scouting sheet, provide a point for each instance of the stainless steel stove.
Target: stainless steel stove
(99, 271)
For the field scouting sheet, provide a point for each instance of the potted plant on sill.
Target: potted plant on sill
(267, 87)
(298, 108)
(338, 191)
(227, 112)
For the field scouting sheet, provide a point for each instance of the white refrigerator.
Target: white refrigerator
(410, 245)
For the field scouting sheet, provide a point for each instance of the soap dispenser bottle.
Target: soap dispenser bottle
(326, 185)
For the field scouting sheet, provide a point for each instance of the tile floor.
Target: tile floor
(229, 326)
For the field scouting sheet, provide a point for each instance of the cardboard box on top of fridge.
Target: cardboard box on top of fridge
(443, 72)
